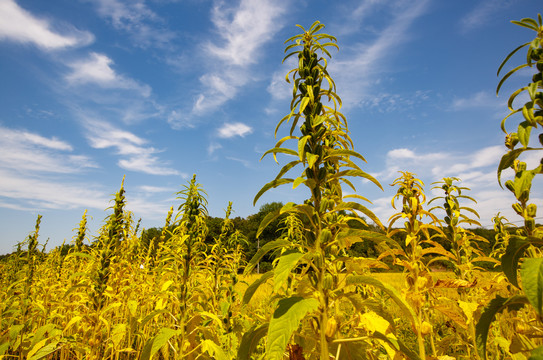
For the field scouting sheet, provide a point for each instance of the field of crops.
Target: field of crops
(112, 295)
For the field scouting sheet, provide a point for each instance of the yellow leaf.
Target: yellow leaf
(372, 322)
(166, 285)
(72, 321)
(36, 347)
(132, 307)
(468, 309)
(160, 304)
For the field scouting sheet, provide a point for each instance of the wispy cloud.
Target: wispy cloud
(34, 169)
(24, 151)
(230, 130)
(481, 99)
(135, 18)
(36, 192)
(135, 155)
(244, 30)
(19, 25)
(244, 162)
(96, 69)
(214, 146)
(482, 14)
(357, 68)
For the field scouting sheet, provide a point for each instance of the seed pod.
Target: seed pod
(425, 328)
(529, 224)
(331, 327)
(531, 210)
(510, 185)
(511, 140)
(536, 54)
(518, 208)
(540, 65)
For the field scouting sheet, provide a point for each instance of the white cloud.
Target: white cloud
(355, 70)
(229, 130)
(17, 24)
(28, 152)
(244, 162)
(213, 147)
(29, 192)
(481, 99)
(476, 169)
(154, 189)
(134, 17)
(135, 155)
(244, 30)
(279, 88)
(97, 70)
(482, 13)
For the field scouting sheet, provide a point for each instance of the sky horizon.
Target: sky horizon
(159, 90)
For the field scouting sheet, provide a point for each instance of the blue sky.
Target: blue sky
(158, 90)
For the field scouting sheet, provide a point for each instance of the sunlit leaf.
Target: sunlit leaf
(531, 273)
(285, 321)
(495, 306)
(288, 261)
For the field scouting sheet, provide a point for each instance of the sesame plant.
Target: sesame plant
(182, 293)
(314, 281)
(523, 245)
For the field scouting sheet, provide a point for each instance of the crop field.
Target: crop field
(118, 294)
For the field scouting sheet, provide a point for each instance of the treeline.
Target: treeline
(248, 228)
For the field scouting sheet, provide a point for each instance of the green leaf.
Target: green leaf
(285, 321)
(301, 147)
(349, 236)
(152, 315)
(275, 244)
(40, 350)
(250, 341)
(272, 184)
(299, 180)
(277, 150)
(288, 261)
(311, 159)
(532, 25)
(250, 291)
(537, 354)
(304, 102)
(364, 210)
(509, 74)
(154, 344)
(358, 173)
(340, 153)
(509, 56)
(495, 306)
(286, 168)
(271, 216)
(531, 273)
(507, 161)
